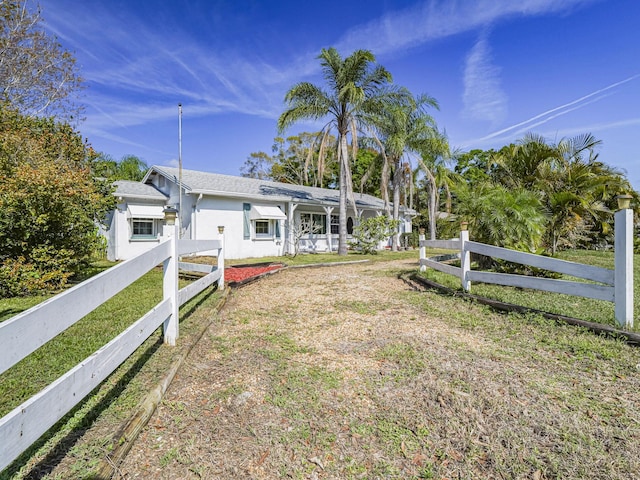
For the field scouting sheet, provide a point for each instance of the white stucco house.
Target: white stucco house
(260, 217)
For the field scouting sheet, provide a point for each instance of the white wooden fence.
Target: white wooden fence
(29, 330)
(612, 285)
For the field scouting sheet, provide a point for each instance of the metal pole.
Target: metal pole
(180, 168)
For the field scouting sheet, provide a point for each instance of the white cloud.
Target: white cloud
(435, 19)
(135, 69)
(483, 96)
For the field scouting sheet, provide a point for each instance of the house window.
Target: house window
(262, 228)
(143, 228)
(314, 222)
(335, 224)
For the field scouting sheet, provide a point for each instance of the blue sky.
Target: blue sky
(498, 68)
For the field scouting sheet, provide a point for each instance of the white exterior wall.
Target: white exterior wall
(212, 212)
(120, 244)
(202, 214)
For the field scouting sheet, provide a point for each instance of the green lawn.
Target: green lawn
(314, 258)
(113, 401)
(583, 308)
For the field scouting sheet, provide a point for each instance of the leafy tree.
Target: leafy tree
(305, 159)
(475, 166)
(258, 165)
(355, 86)
(49, 203)
(296, 159)
(37, 76)
(367, 171)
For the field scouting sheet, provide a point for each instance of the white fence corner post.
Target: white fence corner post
(221, 257)
(423, 250)
(623, 282)
(465, 258)
(170, 278)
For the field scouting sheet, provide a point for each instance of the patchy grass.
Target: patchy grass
(419, 386)
(584, 308)
(368, 379)
(67, 448)
(315, 258)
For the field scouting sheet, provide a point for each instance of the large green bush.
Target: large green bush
(49, 204)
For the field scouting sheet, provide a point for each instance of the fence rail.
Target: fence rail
(613, 285)
(28, 331)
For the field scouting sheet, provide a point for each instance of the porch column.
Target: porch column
(290, 233)
(328, 210)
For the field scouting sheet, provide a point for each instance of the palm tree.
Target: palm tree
(356, 86)
(573, 185)
(502, 216)
(402, 128)
(434, 152)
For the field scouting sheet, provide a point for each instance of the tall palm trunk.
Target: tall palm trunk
(433, 203)
(397, 184)
(342, 218)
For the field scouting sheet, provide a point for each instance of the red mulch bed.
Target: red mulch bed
(242, 274)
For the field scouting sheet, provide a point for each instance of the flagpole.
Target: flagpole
(180, 166)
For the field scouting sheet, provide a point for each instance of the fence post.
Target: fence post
(170, 277)
(465, 257)
(423, 250)
(221, 257)
(623, 244)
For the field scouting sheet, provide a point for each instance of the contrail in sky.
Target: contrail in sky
(561, 107)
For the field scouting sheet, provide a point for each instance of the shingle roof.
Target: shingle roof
(228, 185)
(130, 189)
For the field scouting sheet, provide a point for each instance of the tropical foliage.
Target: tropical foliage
(400, 129)
(130, 167)
(355, 86)
(575, 191)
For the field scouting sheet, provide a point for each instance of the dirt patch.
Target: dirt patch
(346, 372)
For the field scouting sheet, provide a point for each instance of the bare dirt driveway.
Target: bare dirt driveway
(346, 372)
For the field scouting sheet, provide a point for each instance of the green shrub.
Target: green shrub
(49, 204)
(371, 231)
(18, 277)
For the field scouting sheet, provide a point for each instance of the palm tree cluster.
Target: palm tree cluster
(538, 195)
(533, 195)
(360, 98)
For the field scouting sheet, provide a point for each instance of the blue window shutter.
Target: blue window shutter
(277, 228)
(246, 208)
